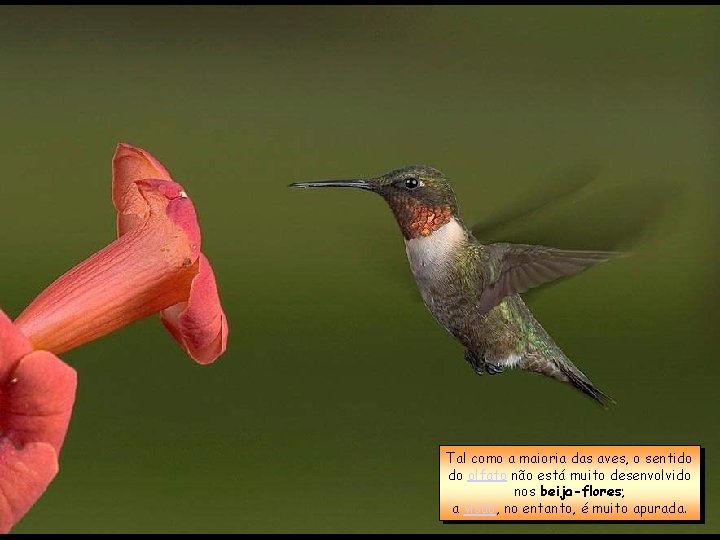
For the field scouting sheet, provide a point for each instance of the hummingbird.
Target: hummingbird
(473, 289)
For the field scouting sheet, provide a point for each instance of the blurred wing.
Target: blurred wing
(520, 267)
(604, 216)
(546, 193)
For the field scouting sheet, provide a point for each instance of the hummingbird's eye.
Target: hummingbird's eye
(412, 182)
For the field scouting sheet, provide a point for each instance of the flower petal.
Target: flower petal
(37, 391)
(179, 210)
(36, 400)
(25, 473)
(199, 325)
(129, 165)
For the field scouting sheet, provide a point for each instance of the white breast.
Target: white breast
(428, 255)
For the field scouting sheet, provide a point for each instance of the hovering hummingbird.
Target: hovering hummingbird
(473, 289)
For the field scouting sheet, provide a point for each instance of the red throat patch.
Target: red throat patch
(417, 220)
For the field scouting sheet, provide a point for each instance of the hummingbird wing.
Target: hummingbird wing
(545, 193)
(601, 215)
(519, 267)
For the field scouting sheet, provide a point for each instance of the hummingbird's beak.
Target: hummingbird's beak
(356, 183)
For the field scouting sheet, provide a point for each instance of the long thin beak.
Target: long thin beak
(356, 183)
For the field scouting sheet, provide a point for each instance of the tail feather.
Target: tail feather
(559, 367)
(579, 380)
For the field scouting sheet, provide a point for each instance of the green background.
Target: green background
(327, 410)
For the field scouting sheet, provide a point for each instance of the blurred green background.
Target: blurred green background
(327, 410)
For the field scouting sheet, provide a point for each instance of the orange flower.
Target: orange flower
(154, 266)
(37, 391)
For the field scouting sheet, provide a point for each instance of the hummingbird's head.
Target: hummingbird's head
(420, 196)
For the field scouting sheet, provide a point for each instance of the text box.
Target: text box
(571, 483)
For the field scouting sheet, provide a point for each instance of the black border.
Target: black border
(700, 521)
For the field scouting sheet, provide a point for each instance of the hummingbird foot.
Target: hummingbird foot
(481, 366)
(493, 369)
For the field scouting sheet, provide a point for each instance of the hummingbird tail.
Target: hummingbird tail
(559, 367)
(578, 379)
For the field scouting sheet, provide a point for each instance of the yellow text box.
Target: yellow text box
(571, 483)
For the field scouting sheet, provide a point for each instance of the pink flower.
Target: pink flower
(154, 266)
(37, 391)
